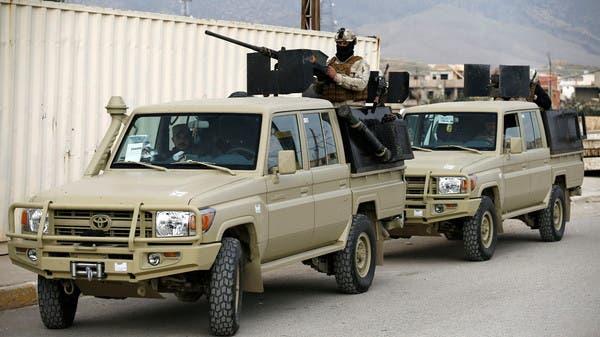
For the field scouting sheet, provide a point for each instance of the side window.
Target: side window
(330, 145)
(511, 128)
(315, 139)
(532, 139)
(284, 136)
(536, 130)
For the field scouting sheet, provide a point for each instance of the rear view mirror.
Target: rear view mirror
(516, 145)
(286, 161)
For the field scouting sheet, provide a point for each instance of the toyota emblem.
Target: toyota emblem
(100, 222)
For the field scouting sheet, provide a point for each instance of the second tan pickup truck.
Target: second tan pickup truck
(480, 163)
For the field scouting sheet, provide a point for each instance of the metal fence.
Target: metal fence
(60, 63)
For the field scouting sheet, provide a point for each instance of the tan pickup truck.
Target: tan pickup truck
(202, 197)
(480, 163)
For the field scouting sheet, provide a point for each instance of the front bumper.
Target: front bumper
(425, 213)
(119, 258)
(119, 264)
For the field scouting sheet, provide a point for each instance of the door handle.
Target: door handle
(524, 166)
(304, 190)
(342, 183)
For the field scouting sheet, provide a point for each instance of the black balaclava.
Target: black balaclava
(344, 53)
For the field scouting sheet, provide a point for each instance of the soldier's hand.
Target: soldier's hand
(331, 72)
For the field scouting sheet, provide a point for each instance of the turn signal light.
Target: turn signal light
(207, 219)
(24, 218)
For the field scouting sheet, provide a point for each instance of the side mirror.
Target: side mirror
(516, 145)
(286, 162)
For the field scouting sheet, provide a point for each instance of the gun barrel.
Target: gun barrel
(263, 50)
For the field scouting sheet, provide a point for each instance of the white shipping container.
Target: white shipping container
(60, 63)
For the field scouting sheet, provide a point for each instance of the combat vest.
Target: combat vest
(335, 93)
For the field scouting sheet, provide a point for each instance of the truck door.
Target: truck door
(330, 178)
(538, 157)
(290, 203)
(514, 168)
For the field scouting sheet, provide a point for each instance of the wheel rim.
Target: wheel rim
(487, 229)
(557, 215)
(363, 255)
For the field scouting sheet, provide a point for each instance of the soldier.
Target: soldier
(538, 95)
(348, 74)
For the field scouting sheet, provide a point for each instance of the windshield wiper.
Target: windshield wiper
(203, 163)
(458, 147)
(421, 148)
(156, 167)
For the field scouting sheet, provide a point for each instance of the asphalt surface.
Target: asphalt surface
(529, 288)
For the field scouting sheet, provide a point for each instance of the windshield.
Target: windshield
(451, 131)
(175, 140)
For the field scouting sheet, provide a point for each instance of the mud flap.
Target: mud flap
(382, 234)
(252, 279)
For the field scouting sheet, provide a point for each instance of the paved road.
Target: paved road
(529, 288)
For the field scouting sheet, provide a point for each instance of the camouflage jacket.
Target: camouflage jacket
(358, 78)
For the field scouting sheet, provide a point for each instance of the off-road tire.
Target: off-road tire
(188, 296)
(479, 232)
(225, 293)
(347, 269)
(57, 308)
(551, 224)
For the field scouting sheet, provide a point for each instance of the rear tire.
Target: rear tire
(225, 295)
(479, 232)
(354, 267)
(57, 308)
(551, 220)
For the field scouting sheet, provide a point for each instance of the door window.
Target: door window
(533, 139)
(315, 139)
(284, 136)
(330, 145)
(511, 128)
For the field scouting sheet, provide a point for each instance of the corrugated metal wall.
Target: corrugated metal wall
(59, 65)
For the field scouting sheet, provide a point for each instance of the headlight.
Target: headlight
(456, 185)
(451, 185)
(172, 223)
(30, 220)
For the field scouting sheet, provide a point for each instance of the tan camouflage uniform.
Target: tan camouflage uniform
(349, 86)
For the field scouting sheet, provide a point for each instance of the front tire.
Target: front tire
(225, 295)
(551, 220)
(354, 267)
(479, 232)
(57, 308)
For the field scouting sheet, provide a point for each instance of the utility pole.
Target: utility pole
(550, 77)
(310, 18)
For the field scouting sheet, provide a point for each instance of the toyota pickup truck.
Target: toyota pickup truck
(479, 163)
(202, 197)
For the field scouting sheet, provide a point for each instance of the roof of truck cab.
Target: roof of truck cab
(474, 106)
(239, 105)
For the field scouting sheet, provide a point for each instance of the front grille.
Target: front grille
(86, 215)
(84, 230)
(77, 223)
(415, 186)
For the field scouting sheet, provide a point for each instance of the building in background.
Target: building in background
(550, 84)
(439, 83)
